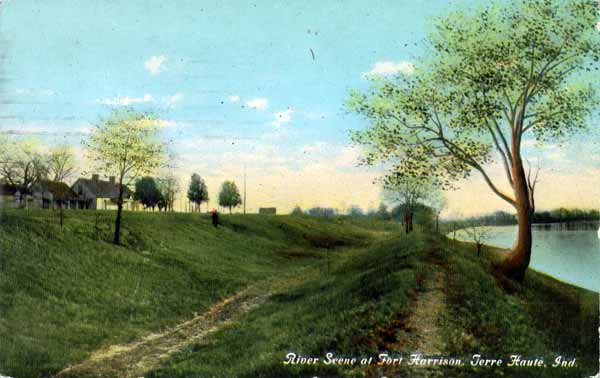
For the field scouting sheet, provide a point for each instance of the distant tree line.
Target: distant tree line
(562, 214)
(559, 215)
(421, 212)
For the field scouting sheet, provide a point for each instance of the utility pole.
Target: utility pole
(244, 188)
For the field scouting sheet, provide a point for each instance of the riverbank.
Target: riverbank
(335, 285)
(567, 252)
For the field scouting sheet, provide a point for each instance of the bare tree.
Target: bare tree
(61, 163)
(478, 233)
(408, 192)
(437, 203)
(22, 164)
(168, 186)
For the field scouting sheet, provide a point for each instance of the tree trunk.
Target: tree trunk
(117, 238)
(517, 261)
(229, 209)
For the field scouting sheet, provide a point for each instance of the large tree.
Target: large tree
(197, 191)
(147, 192)
(229, 196)
(126, 145)
(61, 163)
(22, 164)
(168, 186)
(492, 78)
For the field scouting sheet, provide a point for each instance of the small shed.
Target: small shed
(267, 210)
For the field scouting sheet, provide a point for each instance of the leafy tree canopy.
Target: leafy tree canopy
(197, 191)
(229, 196)
(491, 78)
(126, 145)
(147, 192)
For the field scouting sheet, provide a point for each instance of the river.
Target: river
(568, 252)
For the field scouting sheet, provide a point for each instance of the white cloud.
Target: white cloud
(172, 100)
(125, 101)
(85, 130)
(349, 157)
(282, 117)
(234, 98)
(390, 68)
(258, 103)
(166, 123)
(154, 64)
(539, 145)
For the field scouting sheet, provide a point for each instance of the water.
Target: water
(569, 252)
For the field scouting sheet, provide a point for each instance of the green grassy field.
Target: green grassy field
(338, 285)
(67, 291)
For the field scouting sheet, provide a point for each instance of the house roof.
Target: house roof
(7, 190)
(58, 189)
(102, 189)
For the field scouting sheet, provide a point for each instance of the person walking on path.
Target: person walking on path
(215, 218)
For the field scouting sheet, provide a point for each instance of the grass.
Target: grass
(543, 317)
(66, 292)
(359, 309)
(313, 315)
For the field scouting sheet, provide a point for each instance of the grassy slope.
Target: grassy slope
(543, 317)
(319, 313)
(65, 291)
(84, 293)
(359, 309)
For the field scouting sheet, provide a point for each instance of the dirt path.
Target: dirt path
(134, 359)
(418, 331)
(425, 320)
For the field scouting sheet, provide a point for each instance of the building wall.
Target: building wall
(8, 201)
(107, 204)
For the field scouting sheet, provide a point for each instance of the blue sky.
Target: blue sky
(236, 82)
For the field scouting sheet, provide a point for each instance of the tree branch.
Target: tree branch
(467, 159)
(504, 157)
(531, 183)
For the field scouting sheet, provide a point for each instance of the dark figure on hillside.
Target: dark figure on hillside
(408, 221)
(215, 218)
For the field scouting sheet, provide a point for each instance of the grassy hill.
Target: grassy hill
(342, 285)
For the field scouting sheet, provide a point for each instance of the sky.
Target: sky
(258, 84)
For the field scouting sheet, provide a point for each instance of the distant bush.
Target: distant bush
(423, 215)
(355, 211)
(322, 212)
